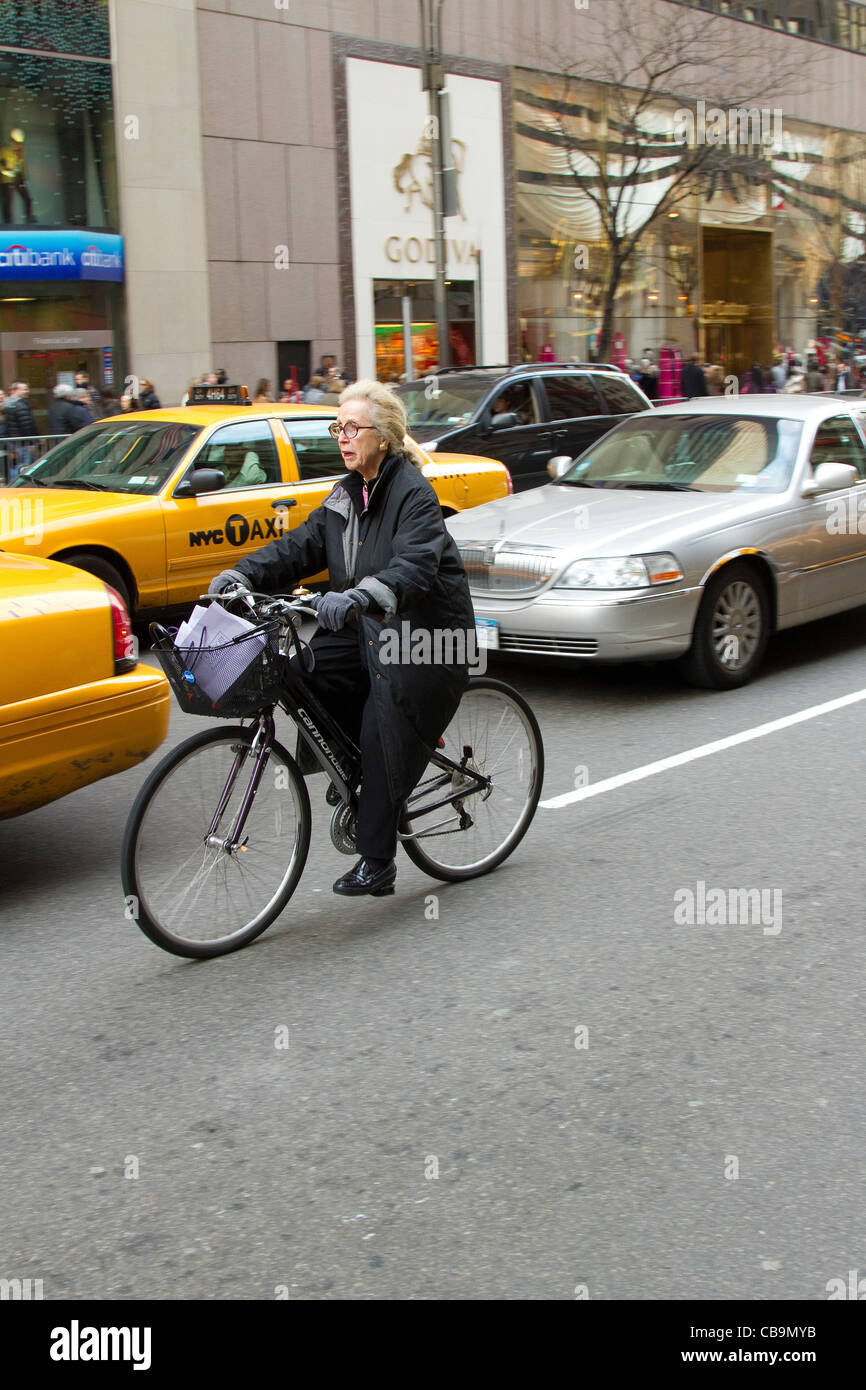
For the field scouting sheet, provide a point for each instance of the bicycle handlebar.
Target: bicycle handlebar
(268, 605)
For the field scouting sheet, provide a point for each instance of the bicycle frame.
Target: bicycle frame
(340, 759)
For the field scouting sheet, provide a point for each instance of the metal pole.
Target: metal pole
(479, 313)
(408, 359)
(434, 81)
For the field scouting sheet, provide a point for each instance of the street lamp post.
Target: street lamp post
(433, 79)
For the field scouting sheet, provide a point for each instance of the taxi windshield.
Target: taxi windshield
(136, 456)
(692, 453)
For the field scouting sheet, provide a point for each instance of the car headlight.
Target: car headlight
(620, 572)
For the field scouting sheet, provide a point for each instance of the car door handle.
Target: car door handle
(285, 502)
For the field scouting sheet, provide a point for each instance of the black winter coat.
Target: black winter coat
(409, 563)
(693, 382)
(18, 418)
(66, 416)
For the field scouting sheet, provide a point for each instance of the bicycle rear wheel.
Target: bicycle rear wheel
(186, 891)
(497, 727)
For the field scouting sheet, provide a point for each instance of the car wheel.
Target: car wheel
(731, 630)
(100, 569)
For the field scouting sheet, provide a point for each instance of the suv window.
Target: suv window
(517, 398)
(620, 397)
(446, 401)
(246, 454)
(317, 453)
(837, 441)
(572, 396)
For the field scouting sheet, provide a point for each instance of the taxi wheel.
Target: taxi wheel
(100, 569)
(731, 630)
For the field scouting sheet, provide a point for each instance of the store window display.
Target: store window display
(57, 156)
(13, 177)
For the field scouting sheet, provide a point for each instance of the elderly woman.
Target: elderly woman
(394, 571)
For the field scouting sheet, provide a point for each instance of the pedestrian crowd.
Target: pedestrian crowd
(324, 386)
(73, 404)
(788, 375)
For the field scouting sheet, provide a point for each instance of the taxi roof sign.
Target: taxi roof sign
(218, 395)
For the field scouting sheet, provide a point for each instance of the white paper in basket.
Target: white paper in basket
(212, 627)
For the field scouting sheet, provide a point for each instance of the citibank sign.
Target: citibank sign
(60, 255)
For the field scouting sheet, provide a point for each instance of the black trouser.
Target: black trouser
(6, 189)
(341, 682)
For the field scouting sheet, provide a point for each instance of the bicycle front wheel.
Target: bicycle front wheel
(497, 734)
(188, 892)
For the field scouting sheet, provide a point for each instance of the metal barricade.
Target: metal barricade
(16, 452)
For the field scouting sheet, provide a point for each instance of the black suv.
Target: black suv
(523, 416)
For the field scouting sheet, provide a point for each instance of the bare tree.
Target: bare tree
(659, 131)
(831, 202)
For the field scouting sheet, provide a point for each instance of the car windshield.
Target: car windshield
(443, 402)
(135, 456)
(703, 453)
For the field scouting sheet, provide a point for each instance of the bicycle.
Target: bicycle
(214, 848)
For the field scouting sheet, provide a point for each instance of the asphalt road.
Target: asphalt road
(567, 1082)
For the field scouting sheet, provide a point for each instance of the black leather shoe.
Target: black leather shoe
(365, 879)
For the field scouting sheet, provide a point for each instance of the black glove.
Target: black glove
(334, 610)
(228, 579)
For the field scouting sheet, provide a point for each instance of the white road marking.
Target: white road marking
(704, 750)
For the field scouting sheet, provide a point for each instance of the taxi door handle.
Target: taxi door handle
(284, 502)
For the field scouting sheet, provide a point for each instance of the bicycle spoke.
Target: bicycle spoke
(506, 753)
(200, 895)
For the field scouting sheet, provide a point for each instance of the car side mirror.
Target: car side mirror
(506, 421)
(559, 466)
(201, 480)
(831, 477)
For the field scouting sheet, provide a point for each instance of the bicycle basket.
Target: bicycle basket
(234, 680)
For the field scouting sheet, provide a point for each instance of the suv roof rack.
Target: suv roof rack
(573, 366)
(532, 367)
(476, 367)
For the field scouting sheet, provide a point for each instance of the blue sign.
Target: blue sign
(68, 254)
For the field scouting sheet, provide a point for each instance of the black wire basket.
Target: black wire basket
(234, 680)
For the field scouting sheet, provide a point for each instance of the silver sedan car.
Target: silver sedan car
(692, 533)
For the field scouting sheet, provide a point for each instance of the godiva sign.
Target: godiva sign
(415, 250)
(390, 176)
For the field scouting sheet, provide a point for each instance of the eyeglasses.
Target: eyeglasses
(350, 429)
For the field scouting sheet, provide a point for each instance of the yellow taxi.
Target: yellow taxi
(75, 704)
(157, 502)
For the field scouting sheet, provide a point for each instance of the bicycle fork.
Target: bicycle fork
(260, 748)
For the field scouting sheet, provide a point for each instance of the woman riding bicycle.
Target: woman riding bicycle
(395, 574)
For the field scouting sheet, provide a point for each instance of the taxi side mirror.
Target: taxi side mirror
(201, 480)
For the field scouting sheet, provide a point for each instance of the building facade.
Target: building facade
(246, 184)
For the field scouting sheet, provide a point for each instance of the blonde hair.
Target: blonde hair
(389, 416)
